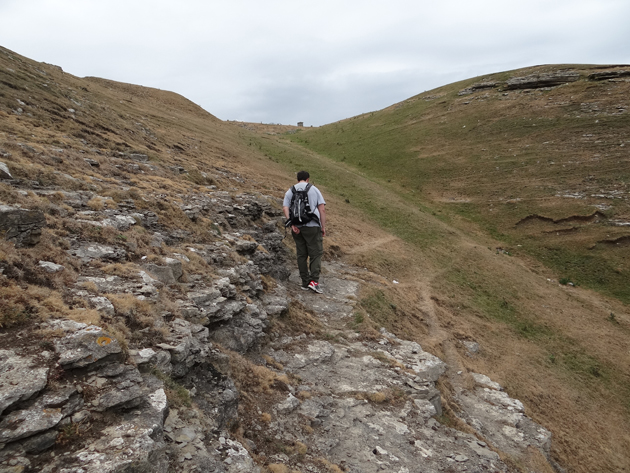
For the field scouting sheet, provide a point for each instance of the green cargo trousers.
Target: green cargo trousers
(309, 244)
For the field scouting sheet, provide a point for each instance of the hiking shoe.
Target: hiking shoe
(304, 288)
(313, 286)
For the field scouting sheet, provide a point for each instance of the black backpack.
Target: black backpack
(300, 212)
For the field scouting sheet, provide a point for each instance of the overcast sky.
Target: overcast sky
(278, 61)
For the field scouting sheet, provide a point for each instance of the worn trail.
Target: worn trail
(372, 405)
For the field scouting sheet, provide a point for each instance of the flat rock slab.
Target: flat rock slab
(103, 305)
(345, 385)
(25, 423)
(501, 420)
(335, 303)
(485, 382)
(86, 345)
(20, 378)
(121, 448)
(118, 398)
(51, 267)
(351, 425)
(108, 284)
(368, 437)
(545, 79)
(43, 415)
(91, 251)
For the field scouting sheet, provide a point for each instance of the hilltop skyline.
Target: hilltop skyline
(282, 63)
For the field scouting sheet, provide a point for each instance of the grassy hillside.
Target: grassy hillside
(411, 194)
(496, 156)
(452, 176)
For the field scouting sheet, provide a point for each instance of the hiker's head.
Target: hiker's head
(303, 176)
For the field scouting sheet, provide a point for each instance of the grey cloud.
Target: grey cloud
(281, 61)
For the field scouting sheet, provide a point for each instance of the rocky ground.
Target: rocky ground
(182, 356)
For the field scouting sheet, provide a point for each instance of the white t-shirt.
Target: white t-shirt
(315, 198)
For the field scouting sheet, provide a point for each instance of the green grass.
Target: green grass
(483, 297)
(177, 395)
(588, 268)
(392, 164)
(526, 146)
(378, 307)
(358, 190)
(563, 354)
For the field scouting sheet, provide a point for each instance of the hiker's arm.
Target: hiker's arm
(294, 229)
(322, 217)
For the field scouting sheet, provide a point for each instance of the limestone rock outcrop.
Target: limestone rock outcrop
(537, 81)
(24, 227)
(165, 395)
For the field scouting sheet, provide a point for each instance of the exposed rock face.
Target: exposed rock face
(20, 379)
(51, 267)
(4, 171)
(607, 75)
(84, 345)
(537, 81)
(98, 386)
(24, 227)
(166, 274)
(501, 420)
(90, 251)
(366, 405)
(478, 86)
(364, 436)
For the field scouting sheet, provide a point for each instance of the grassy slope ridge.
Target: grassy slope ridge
(552, 347)
(442, 175)
(496, 157)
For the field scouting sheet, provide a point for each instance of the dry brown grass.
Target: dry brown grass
(390, 395)
(123, 270)
(297, 320)
(86, 316)
(22, 264)
(54, 303)
(268, 282)
(166, 302)
(273, 363)
(377, 397)
(137, 313)
(196, 265)
(251, 378)
(329, 466)
(121, 332)
(277, 468)
(49, 334)
(304, 395)
(301, 449)
(156, 259)
(120, 195)
(97, 203)
(90, 286)
(25, 304)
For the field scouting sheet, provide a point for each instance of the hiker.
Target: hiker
(304, 208)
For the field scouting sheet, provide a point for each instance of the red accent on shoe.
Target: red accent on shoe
(315, 287)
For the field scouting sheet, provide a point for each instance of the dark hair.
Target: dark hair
(303, 176)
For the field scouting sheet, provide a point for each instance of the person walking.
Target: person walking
(304, 208)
